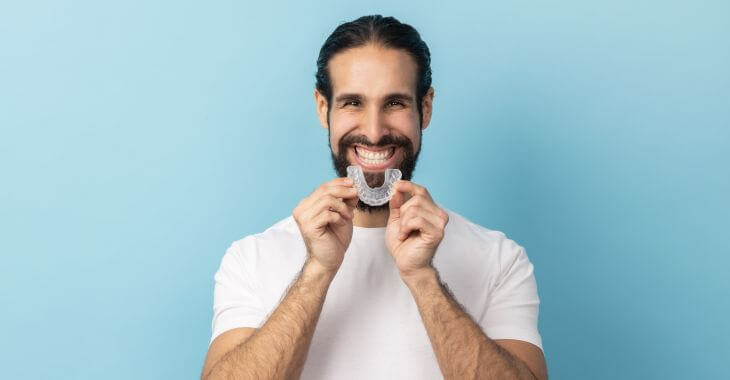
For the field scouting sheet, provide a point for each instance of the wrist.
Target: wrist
(313, 269)
(416, 279)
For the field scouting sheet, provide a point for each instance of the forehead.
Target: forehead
(372, 71)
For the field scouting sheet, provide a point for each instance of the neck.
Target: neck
(371, 220)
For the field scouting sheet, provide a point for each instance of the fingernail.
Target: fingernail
(348, 181)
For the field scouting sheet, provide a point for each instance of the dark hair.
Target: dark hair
(376, 29)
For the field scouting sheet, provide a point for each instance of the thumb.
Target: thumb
(396, 201)
(351, 202)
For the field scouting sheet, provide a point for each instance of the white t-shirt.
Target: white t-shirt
(370, 327)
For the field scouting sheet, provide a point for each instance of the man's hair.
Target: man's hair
(383, 31)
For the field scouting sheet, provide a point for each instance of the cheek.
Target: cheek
(406, 123)
(345, 120)
(403, 119)
(340, 125)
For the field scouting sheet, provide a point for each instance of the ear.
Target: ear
(427, 107)
(322, 108)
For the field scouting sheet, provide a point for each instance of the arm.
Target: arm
(462, 349)
(415, 228)
(279, 348)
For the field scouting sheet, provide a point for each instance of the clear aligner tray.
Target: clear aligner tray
(377, 196)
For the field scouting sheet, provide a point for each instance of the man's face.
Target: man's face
(373, 119)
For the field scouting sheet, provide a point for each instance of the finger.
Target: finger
(434, 217)
(333, 187)
(349, 195)
(325, 218)
(327, 202)
(338, 191)
(401, 195)
(396, 201)
(417, 224)
(331, 192)
(352, 202)
(330, 203)
(428, 205)
(411, 189)
(342, 181)
(337, 187)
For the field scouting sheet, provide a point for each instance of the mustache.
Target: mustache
(407, 165)
(398, 141)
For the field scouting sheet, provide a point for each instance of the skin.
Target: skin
(414, 229)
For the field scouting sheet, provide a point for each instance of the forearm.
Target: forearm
(279, 348)
(462, 349)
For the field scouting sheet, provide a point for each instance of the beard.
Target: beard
(406, 166)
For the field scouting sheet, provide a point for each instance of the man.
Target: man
(343, 290)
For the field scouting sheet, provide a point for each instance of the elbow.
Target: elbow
(207, 373)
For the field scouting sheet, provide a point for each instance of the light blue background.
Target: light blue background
(139, 140)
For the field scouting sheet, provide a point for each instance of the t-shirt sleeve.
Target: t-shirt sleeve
(513, 307)
(235, 299)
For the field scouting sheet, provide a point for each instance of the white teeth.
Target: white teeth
(371, 157)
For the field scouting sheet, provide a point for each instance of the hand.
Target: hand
(415, 228)
(325, 222)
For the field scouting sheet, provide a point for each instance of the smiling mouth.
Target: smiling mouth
(374, 157)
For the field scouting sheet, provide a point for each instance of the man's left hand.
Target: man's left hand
(415, 228)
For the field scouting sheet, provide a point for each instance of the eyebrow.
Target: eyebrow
(400, 96)
(392, 96)
(347, 97)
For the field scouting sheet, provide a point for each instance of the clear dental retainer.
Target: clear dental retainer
(379, 195)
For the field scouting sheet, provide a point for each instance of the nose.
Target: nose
(373, 125)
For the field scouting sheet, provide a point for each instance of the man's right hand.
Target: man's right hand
(325, 221)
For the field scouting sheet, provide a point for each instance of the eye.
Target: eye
(354, 103)
(395, 103)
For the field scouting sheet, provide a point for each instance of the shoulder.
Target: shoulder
(480, 242)
(281, 239)
(285, 230)
(461, 227)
